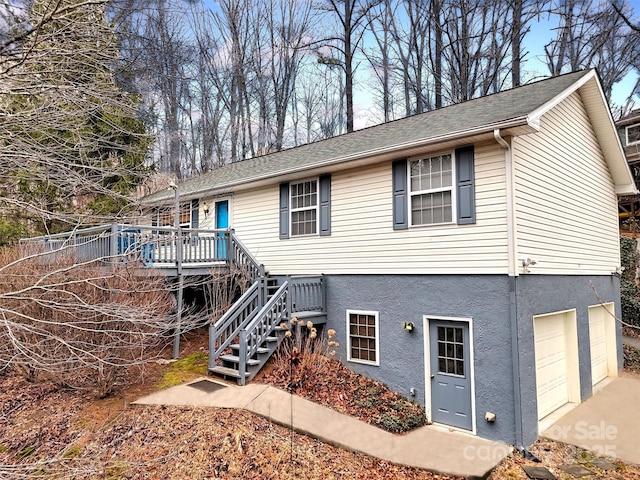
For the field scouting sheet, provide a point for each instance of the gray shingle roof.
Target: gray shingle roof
(472, 116)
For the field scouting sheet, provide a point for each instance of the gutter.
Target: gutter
(513, 291)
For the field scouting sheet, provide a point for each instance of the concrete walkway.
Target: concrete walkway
(608, 423)
(431, 448)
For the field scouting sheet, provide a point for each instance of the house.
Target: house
(469, 255)
(629, 205)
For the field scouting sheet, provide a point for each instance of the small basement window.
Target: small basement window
(363, 337)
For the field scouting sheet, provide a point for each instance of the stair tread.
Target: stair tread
(236, 359)
(229, 372)
(236, 346)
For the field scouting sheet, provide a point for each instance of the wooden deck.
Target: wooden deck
(167, 250)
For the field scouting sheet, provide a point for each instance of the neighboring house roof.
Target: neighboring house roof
(632, 152)
(515, 111)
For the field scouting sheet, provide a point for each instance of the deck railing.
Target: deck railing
(260, 327)
(307, 294)
(228, 327)
(151, 245)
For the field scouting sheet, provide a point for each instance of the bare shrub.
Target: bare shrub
(224, 287)
(79, 324)
(303, 354)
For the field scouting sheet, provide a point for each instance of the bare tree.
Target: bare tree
(523, 12)
(288, 24)
(352, 19)
(69, 142)
(625, 13)
(590, 34)
(381, 24)
(476, 47)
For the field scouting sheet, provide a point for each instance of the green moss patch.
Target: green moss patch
(185, 369)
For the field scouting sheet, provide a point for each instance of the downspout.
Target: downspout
(511, 214)
(512, 276)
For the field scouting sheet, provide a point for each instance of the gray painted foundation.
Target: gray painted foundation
(487, 301)
(537, 295)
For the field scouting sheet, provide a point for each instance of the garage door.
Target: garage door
(602, 342)
(556, 360)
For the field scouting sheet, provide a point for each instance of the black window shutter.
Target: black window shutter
(325, 204)
(466, 186)
(400, 203)
(195, 213)
(154, 217)
(284, 210)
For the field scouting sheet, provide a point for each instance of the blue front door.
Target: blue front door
(450, 373)
(222, 222)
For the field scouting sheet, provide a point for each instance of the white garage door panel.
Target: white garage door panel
(551, 363)
(602, 339)
(598, 338)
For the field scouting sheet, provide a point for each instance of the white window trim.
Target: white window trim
(317, 207)
(427, 367)
(376, 316)
(626, 134)
(452, 188)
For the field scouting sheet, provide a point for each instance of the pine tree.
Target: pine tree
(71, 147)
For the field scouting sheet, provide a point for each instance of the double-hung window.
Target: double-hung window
(166, 217)
(304, 208)
(363, 337)
(431, 190)
(434, 190)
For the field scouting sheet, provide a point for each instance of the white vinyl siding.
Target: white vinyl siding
(362, 237)
(566, 208)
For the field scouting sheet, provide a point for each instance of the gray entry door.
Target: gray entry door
(450, 373)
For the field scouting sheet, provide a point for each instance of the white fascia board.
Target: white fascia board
(534, 117)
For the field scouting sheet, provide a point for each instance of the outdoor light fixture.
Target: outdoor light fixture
(205, 209)
(408, 326)
(527, 263)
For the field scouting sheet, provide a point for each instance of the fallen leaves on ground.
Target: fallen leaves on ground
(63, 434)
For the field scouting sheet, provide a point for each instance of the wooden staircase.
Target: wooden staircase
(244, 338)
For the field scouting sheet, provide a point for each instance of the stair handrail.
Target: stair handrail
(234, 321)
(243, 257)
(262, 326)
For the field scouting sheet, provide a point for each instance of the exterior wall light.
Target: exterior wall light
(205, 209)
(408, 326)
(526, 264)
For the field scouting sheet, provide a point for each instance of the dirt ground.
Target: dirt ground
(62, 434)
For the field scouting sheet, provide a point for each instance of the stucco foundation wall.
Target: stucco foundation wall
(540, 294)
(407, 298)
